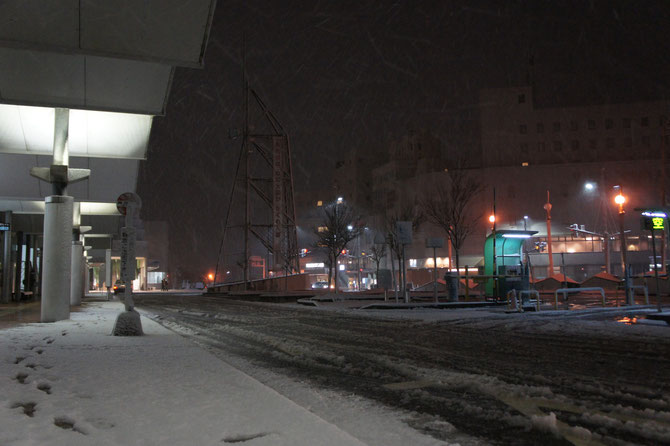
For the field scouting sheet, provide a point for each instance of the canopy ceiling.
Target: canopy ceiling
(30, 131)
(170, 32)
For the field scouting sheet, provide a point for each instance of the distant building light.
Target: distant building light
(314, 265)
(524, 164)
(350, 227)
(319, 203)
(525, 217)
(589, 186)
(412, 263)
(342, 267)
(340, 199)
(322, 229)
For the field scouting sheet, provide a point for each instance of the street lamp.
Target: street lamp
(525, 222)
(547, 207)
(620, 199)
(589, 186)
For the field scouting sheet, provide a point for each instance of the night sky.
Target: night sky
(355, 74)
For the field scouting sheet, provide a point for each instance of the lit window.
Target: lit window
(524, 164)
(319, 203)
(412, 263)
(322, 229)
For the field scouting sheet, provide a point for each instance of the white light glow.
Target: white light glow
(30, 131)
(314, 265)
(341, 267)
(654, 214)
(516, 235)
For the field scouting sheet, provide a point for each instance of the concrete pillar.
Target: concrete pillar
(19, 266)
(7, 261)
(108, 273)
(87, 277)
(76, 279)
(57, 255)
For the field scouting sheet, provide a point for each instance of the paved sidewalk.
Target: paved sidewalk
(72, 383)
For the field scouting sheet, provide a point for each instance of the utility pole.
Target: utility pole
(547, 207)
(495, 266)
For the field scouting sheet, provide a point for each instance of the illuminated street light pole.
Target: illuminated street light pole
(547, 207)
(492, 219)
(620, 200)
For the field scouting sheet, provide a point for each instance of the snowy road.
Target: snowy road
(488, 378)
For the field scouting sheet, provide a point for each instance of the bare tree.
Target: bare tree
(338, 227)
(377, 253)
(448, 207)
(407, 212)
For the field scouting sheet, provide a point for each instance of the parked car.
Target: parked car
(119, 287)
(319, 285)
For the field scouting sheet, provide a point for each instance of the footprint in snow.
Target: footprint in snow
(68, 423)
(28, 408)
(21, 377)
(244, 437)
(45, 387)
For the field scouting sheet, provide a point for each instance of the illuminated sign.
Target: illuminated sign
(4, 227)
(314, 265)
(658, 223)
(653, 223)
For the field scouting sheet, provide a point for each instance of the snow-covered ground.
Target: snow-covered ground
(460, 376)
(72, 383)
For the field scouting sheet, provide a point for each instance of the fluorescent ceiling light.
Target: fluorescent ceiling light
(516, 235)
(30, 131)
(37, 207)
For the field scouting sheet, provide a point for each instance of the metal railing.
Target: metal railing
(566, 291)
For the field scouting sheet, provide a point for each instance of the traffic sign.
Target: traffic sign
(127, 199)
(404, 231)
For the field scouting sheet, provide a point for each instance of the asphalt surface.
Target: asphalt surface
(495, 381)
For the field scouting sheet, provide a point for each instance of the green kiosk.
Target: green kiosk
(508, 261)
